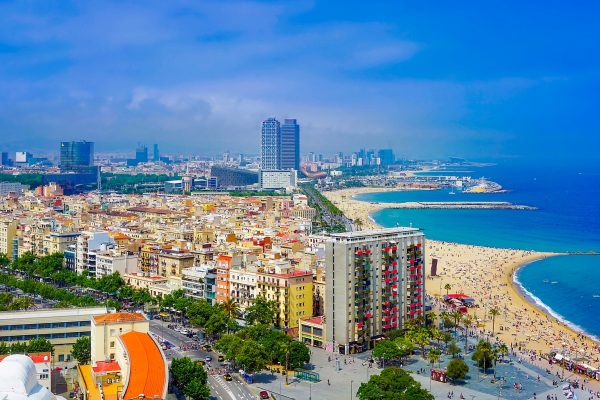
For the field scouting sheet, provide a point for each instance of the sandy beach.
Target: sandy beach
(486, 274)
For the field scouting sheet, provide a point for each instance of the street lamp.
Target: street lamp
(351, 391)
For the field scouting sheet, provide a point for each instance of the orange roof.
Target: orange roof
(115, 318)
(147, 372)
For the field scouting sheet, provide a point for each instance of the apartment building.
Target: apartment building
(172, 262)
(8, 232)
(88, 245)
(59, 242)
(200, 282)
(374, 283)
(242, 285)
(292, 289)
(110, 261)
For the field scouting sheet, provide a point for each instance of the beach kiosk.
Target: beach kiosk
(439, 375)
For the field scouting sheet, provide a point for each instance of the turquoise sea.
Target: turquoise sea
(567, 220)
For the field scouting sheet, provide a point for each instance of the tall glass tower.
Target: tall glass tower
(290, 145)
(270, 149)
(76, 156)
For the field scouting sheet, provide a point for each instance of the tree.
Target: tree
(252, 357)
(262, 311)
(457, 317)
(196, 390)
(453, 349)
(457, 369)
(229, 346)
(447, 286)
(434, 355)
(483, 354)
(299, 355)
(467, 322)
(386, 349)
(231, 308)
(4, 260)
(405, 346)
(494, 312)
(40, 345)
(420, 337)
(82, 350)
(394, 384)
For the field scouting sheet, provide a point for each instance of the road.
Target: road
(220, 389)
(327, 217)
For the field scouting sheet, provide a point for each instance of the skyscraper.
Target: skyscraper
(76, 156)
(156, 155)
(290, 145)
(375, 283)
(141, 154)
(270, 149)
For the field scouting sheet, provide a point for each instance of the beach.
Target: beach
(486, 274)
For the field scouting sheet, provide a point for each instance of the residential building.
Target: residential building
(62, 327)
(88, 245)
(290, 145)
(291, 289)
(59, 242)
(374, 283)
(110, 261)
(200, 282)
(270, 150)
(172, 263)
(278, 179)
(8, 232)
(242, 284)
(76, 156)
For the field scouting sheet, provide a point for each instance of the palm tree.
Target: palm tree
(494, 312)
(447, 286)
(467, 323)
(434, 355)
(231, 307)
(457, 317)
(431, 316)
(359, 223)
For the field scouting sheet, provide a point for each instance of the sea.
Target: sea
(567, 219)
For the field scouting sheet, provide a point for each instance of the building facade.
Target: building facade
(270, 149)
(62, 327)
(290, 145)
(278, 179)
(76, 156)
(374, 283)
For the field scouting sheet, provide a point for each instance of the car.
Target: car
(206, 347)
(201, 362)
(208, 358)
(263, 395)
(228, 377)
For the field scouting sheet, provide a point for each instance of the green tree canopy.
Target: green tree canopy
(252, 357)
(262, 311)
(457, 369)
(82, 350)
(40, 345)
(393, 384)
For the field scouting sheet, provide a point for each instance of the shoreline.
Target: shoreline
(488, 275)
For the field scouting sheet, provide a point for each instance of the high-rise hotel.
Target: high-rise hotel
(375, 281)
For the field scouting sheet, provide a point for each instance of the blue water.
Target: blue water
(567, 219)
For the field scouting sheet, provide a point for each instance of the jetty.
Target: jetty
(492, 205)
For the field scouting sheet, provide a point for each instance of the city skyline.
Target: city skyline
(471, 81)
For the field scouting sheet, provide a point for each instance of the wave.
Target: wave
(546, 308)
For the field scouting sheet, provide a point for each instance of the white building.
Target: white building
(88, 243)
(278, 179)
(111, 261)
(20, 380)
(242, 285)
(375, 281)
(200, 282)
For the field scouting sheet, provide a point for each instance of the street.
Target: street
(220, 389)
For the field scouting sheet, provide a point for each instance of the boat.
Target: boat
(451, 192)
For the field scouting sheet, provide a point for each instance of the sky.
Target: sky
(475, 79)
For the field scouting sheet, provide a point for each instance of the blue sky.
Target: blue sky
(429, 79)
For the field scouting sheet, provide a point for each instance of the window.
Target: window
(61, 358)
(112, 344)
(112, 332)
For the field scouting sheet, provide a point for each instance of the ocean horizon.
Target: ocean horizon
(567, 219)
